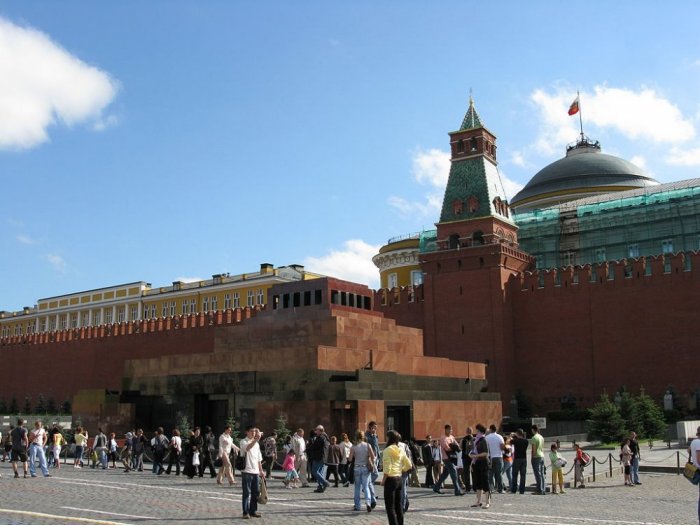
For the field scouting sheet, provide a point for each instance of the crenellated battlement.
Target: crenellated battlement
(131, 328)
(387, 297)
(625, 272)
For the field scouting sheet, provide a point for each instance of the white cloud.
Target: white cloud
(432, 166)
(679, 157)
(25, 239)
(43, 84)
(640, 114)
(639, 160)
(643, 113)
(352, 263)
(58, 263)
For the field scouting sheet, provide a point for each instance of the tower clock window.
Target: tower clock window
(393, 281)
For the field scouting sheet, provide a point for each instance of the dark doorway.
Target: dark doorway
(344, 419)
(212, 412)
(398, 418)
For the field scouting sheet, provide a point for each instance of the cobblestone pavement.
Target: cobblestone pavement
(113, 497)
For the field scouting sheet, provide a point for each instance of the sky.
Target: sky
(161, 141)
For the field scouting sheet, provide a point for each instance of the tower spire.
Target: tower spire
(471, 119)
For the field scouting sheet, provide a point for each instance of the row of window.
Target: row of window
(416, 279)
(167, 309)
(633, 252)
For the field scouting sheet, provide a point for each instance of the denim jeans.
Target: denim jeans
(449, 469)
(251, 489)
(373, 476)
(362, 484)
(496, 474)
(519, 468)
(635, 469)
(34, 451)
(318, 471)
(538, 471)
(508, 471)
(404, 489)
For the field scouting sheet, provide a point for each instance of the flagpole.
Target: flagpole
(580, 118)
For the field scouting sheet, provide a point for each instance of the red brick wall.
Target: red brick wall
(581, 339)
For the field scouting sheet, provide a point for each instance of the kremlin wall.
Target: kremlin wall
(470, 314)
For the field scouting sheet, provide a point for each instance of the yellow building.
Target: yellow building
(398, 262)
(138, 300)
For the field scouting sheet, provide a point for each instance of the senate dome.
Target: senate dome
(584, 172)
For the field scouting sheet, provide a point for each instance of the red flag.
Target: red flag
(573, 109)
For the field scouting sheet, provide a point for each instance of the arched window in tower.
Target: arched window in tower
(454, 241)
(500, 234)
(475, 143)
(473, 204)
(497, 205)
(478, 237)
(457, 207)
(460, 146)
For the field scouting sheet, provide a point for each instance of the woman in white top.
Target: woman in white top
(175, 452)
(345, 447)
(225, 447)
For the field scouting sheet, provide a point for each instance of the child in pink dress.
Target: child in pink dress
(291, 480)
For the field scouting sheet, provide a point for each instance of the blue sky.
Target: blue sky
(159, 140)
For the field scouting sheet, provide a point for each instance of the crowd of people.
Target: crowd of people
(477, 462)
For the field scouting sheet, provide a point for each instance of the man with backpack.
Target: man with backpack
(99, 445)
(160, 447)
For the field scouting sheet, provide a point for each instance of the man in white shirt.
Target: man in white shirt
(253, 472)
(496, 447)
(300, 461)
(37, 443)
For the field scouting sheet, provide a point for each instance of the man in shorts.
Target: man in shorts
(19, 447)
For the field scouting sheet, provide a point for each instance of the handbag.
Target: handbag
(195, 459)
(350, 476)
(262, 496)
(240, 462)
(560, 463)
(691, 473)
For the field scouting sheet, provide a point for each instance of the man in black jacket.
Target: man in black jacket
(427, 453)
(467, 444)
(317, 452)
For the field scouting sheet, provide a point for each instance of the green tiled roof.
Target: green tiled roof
(471, 119)
(467, 178)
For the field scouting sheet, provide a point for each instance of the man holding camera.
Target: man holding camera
(252, 473)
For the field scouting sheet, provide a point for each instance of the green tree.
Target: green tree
(647, 417)
(66, 407)
(233, 422)
(40, 407)
(605, 423)
(27, 404)
(3, 406)
(51, 406)
(14, 407)
(282, 430)
(184, 425)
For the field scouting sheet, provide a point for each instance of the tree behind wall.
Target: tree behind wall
(605, 423)
(647, 417)
(282, 430)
